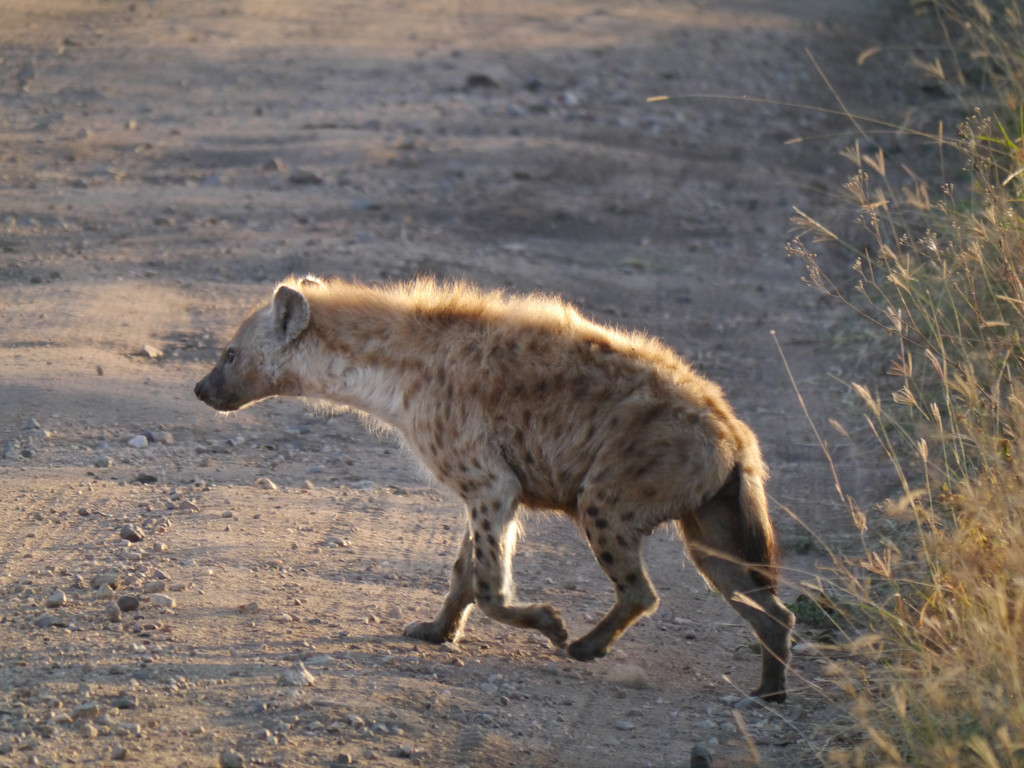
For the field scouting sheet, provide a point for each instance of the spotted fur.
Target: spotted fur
(519, 400)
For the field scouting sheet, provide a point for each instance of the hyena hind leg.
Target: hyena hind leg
(712, 539)
(621, 556)
(447, 625)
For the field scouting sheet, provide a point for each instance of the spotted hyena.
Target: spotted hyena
(518, 400)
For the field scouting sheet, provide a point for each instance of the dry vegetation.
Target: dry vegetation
(937, 678)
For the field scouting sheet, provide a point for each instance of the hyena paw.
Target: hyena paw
(547, 620)
(429, 631)
(586, 649)
(773, 695)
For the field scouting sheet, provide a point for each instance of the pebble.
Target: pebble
(56, 600)
(139, 441)
(48, 620)
(163, 601)
(628, 675)
(625, 725)
(302, 176)
(88, 730)
(127, 603)
(126, 701)
(231, 759)
(148, 350)
(265, 482)
(107, 578)
(297, 675)
(364, 204)
(104, 592)
(151, 587)
(132, 532)
(112, 612)
(103, 461)
(120, 753)
(700, 757)
(161, 436)
(89, 710)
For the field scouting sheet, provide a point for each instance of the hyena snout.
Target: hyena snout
(211, 390)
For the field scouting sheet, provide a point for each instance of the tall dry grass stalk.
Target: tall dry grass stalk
(940, 683)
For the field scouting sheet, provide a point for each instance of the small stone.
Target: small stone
(104, 592)
(108, 578)
(231, 759)
(33, 423)
(90, 710)
(364, 204)
(700, 757)
(47, 620)
(131, 532)
(302, 176)
(163, 601)
(128, 729)
(160, 436)
(152, 587)
(148, 350)
(266, 482)
(103, 461)
(88, 730)
(128, 603)
(625, 725)
(297, 675)
(479, 80)
(249, 608)
(145, 478)
(56, 600)
(628, 675)
(112, 612)
(120, 752)
(126, 701)
(343, 759)
(139, 441)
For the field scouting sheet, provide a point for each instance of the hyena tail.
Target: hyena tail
(756, 535)
(733, 526)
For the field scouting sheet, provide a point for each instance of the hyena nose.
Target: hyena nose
(198, 389)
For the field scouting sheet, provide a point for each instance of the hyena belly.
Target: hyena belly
(512, 401)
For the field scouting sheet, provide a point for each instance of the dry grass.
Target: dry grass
(938, 676)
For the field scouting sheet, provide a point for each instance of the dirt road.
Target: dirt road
(162, 164)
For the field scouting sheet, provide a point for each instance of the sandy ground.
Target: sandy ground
(162, 164)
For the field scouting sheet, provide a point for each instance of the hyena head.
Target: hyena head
(257, 362)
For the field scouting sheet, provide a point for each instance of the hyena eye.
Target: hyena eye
(229, 355)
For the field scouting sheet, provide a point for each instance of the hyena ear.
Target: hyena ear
(291, 313)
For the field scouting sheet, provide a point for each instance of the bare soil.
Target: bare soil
(162, 164)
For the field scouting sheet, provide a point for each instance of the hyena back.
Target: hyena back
(516, 401)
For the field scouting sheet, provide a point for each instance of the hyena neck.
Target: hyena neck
(356, 356)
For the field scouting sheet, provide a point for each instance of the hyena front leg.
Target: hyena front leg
(620, 553)
(447, 625)
(493, 521)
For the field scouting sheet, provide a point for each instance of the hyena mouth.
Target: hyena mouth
(209, 395)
